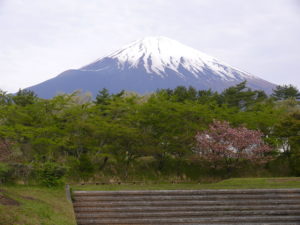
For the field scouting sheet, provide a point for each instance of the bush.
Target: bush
(295, 162)
(50, 174)
(5, 173)
(82, 168)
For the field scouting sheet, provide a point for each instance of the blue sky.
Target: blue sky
(40, 39)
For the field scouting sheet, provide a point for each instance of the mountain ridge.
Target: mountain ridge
(149, 64)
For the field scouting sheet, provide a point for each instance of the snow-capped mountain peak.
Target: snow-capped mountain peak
(147, 65)
(159, 54)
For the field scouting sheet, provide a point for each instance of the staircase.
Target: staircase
(243, 206)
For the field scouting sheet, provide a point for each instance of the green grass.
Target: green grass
(38, 206)
(47, 206)
(235, 183)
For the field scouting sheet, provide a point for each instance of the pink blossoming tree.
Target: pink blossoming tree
(223, 145)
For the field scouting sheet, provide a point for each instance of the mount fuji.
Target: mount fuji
(147, 65)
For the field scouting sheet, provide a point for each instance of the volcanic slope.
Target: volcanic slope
(147, 65)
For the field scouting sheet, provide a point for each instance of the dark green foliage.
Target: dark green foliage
(24, 97)
(103, 97)
(5, 99)
(241, 97)
(50, 174)
(207, 96)
(181, 94)
(81, 168)
(288, 132)
(85, 166)
(5, 173)
(283, 92)
(125, 136)
(295, 161)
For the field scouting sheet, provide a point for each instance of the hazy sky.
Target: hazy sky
(41, 38)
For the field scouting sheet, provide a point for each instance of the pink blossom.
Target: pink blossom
(221, 142)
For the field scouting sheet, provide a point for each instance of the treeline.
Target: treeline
(170, 134)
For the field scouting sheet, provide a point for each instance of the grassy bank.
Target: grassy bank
(27, 205)
(235, 183)
(31, 205)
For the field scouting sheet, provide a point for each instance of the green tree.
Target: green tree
(5, 98)
(288, 131)
(241, 97)
(207, 96)
(103, 97)
(50, 174)
(283, 92)
(25, 97)
(171, 126)
(288, 134)
(84, 167)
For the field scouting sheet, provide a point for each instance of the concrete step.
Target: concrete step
(216, 223)
(186, 203)
(185, 208)
(187, 192)
(215, 207)
(203, 220)
(185, 197)
(187, 214)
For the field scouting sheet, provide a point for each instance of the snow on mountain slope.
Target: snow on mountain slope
(157, 54)
(148, 64)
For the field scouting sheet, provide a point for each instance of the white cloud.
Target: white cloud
(40, 39)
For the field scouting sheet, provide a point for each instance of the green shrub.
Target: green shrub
(82, 168)
(5, 173)
(295, 162)
(50, 174)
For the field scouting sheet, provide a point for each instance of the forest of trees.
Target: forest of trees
(179, 134)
